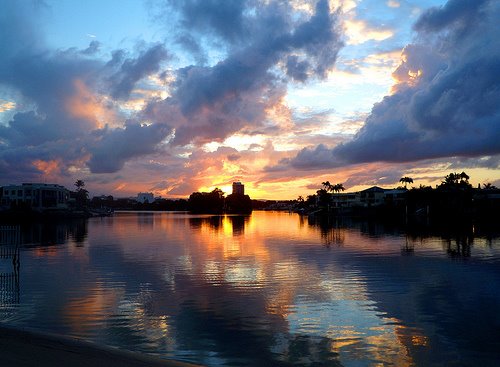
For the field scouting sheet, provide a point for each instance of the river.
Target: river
(269, 289)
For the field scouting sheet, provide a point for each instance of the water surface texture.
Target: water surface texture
(270, 289)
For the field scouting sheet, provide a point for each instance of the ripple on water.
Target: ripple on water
(268, 289)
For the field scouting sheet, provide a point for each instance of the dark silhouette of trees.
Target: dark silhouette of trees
(82, 195)
(207, 202)
(238, 204)
(456, 180)
(323, 198)
(489, 186)
(406, 180)
(337, 188)
(326, 185)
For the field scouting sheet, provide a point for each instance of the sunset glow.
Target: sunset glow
(174, 97)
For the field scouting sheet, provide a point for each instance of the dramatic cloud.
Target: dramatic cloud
(133, 70)
(446, 101)
(60, 120)
(111, 152)
(213, 91)
(211, 102)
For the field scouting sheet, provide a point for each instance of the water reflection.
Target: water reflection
(238, 224)
(49, 233)
(9, 264)
(145, 220)
(271, 289)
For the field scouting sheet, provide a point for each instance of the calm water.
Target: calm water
(271, 289)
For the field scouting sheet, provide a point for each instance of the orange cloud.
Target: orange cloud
(6, 105)
(50, 168)
(84, 104)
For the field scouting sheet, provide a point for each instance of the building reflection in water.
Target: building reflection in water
(10, 238)
(145, 220)
(266, 289)
(212, 221)
(44, 237)
(238, 224)
(55, 232)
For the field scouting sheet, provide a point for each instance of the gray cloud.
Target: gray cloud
(451, 109)
(222, 18)
(455, 13)
(211, 102)
(133, 70)
(92, 49)
(59, 90)
(116, 146)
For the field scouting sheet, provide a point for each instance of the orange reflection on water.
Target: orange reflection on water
(244, 254)
(82, 314)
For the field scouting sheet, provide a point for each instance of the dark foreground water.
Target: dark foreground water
(271, 289)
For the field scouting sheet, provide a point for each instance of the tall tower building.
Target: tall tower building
(238, 188)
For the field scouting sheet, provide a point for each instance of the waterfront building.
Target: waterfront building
(145, 197)
(38, 196)
(373, 196)
(238, 188)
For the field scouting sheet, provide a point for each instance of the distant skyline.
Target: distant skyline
(173, 97)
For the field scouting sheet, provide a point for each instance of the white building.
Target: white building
(145, 197)
(36, 195)
(238, 188)
(373, 196)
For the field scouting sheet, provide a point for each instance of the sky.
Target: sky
(173, 97)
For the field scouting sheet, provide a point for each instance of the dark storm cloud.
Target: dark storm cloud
(211, 102)
(133, 70)
(116, 146)
(446, 101)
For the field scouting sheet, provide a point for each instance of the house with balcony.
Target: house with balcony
(36, 196)
(371, 197)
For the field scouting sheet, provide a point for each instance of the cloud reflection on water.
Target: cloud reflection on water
(268, 288)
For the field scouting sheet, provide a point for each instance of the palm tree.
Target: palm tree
(79, 185)
(82, 195)
(406, 180)
(327, 185)
(488, 185)
(338, 187)
(456, 180)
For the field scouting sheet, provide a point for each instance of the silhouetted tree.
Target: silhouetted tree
(337, 188)
(488, 185)
(207, 202)
(80, 184)
(237, 203)
(456, 180)
(323, 198)
(311, 200)
(406, 180)
(326, 185)
(82, 195)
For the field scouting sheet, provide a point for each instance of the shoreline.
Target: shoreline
(29, 348)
